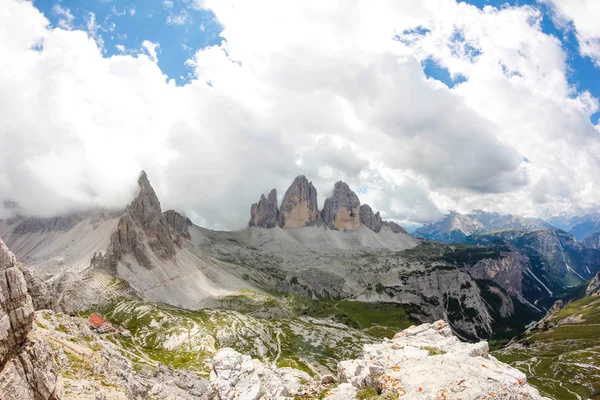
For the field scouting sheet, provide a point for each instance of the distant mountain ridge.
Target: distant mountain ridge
(455, 227)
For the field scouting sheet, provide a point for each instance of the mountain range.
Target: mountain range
(298, 281)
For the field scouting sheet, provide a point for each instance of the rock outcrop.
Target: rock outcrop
(299, 206)
(395, 227)
(265, 212)
(370, 220)
(179, 225)
(28, 370)
(237, 376)
(38, 290)
(143, 223)
(594, 286)
(429, 362)
(342, 209)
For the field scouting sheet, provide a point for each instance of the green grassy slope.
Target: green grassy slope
(562, 356)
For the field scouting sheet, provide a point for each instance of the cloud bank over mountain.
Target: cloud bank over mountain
(325, 89)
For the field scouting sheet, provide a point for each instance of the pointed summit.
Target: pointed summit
(265, 212)
(299, 206)
(145, 214)
(342, 209)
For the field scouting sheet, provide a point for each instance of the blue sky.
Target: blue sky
(180, 27)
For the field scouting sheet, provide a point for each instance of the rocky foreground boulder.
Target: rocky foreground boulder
(429, 362)
(422, 362)
(28, 370)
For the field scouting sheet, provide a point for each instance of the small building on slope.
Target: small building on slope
(99, 324)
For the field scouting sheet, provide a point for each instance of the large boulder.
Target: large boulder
(299, 206)
(265, 212)
(237, 376)
(429, 362)
(342, 209)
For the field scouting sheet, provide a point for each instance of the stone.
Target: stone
(41, 295)
(238, 376)
(429, 362)
(299, 206)
(179, 223)
(264, 213)
(29, 372)
(370, 220)
(342, 209)
(327, 379)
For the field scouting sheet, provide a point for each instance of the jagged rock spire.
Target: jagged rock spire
(145, 214)
(265, 212)
(342, 209)
(299, 206)
(370, 220)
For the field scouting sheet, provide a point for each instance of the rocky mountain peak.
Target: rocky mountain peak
(342, 209)
(265, 212)
(299, 206)
(370, 220)
(143, 214)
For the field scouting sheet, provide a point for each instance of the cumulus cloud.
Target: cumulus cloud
(66, 19)
(151, 49)
(327, 90)
(584, 16)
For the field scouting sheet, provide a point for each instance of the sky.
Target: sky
(421, 107)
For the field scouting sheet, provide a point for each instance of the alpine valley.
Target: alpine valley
(302, 303)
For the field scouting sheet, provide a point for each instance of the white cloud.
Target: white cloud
(151, 49)
(584, 15)
(178, 19)
(65, 19)
(120, 47)
(93, 29)
(315, 88)
(167, 4)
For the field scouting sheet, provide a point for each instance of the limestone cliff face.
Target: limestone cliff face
(143, 222)
(179, 225)
(265, 212)
(299, 206)
(38, 290)
(370, 220)
(506, 271)
(28, 370)
(178, 222)
(342, 209)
